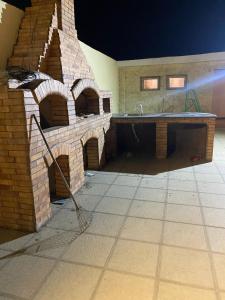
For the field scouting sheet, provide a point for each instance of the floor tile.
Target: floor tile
(113, 205)
(88, 202)
(219, 162)
(146, 209)
(214, 216)
(69, 281)
(219, 263)
(154, 183)
(171, 291)
(184, 235)
(102, 178)
(182, 185)
(90, 249)
(212, 200)
(150, 194)
(209, 178)
(106, 172)
(186, 266)
(181, 197)
(50, 242)
(64, 220)
(157, 176)
(105, 224)
(56, 207)
(94, 189)
(128, 180)
(129, 174)
(181, 176)
(216, 239)
(121, 191)
(134, 257)
(124, 287)
(3, 257)
(16, 276)
(221, 169)
(183, 213)
(204, 169)
(214, 188)
(16, 243)
(142, 230)
(188, 170)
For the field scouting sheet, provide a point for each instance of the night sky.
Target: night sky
(126, 29)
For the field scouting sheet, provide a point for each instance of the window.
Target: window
(150, 83)
(175, 82)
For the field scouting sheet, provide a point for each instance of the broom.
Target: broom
(84, 217)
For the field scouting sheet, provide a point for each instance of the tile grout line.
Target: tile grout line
(169, 203)
(110, 253)
(221, 174)
(210, 255)
(57, 262)
(159, 259)
(53, 267)
(115, 214)
(24, 245)
(131, 240)
(147, 218)
(160, 189)
(115, 244)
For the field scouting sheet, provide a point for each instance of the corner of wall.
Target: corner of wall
(106, 72)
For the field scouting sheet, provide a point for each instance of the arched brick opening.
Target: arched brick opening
(57, 188)
(53, 111)
(87, 103)
(91, 154)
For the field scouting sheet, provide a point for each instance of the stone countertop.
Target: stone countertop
(164, 115)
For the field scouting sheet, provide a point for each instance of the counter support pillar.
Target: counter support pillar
(161, 140)
(210, 139)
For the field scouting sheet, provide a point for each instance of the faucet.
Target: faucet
(139, 108)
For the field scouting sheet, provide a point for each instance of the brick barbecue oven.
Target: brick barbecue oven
(60, 94)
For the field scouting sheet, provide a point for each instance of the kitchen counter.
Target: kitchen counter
(163, 121)
(164, 115)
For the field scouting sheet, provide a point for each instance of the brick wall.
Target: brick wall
(47, 42)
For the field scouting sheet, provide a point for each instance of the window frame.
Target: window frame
(176, 76)
(143, 78)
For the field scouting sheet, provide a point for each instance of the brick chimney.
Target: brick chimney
(47, 42)
(62, 92)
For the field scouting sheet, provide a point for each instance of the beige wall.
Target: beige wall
(10, 17)
(106, 72)
(197, 68)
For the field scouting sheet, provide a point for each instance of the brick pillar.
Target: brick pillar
(210, 139)
(16, 196)
(161, 139)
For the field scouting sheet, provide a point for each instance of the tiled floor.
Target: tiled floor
(153, 237)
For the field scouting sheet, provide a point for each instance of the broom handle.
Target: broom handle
(56, 163)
